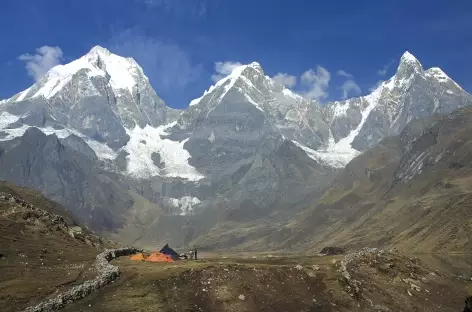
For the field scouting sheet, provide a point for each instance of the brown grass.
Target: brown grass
(37, 260)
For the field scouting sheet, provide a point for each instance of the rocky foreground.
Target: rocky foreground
(366, 280)
(43, 252)
(48, 263)
(106, 274)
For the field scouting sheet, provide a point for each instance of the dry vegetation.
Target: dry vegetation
(262, 282)
(39, 257)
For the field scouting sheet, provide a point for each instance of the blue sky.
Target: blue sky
(178, 42)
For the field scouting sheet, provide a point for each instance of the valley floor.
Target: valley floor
(377, 281)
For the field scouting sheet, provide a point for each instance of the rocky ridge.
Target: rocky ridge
(53, 222)
(373, 277)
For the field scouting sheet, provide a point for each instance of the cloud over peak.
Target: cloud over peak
(316, 81)
(223, 69)
(43, 60)
(384, 70)
(349, 87)
(286, 80)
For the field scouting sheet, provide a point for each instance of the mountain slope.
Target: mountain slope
(249, 167)
(411, 191)
(42, 249)
(42, 162)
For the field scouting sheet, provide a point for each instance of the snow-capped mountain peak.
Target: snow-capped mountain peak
(99, 95)
(251, 86)
(122, 74)
(438, 74)
(408, 57)
(411, 93)
(241, 72)
(99, 50)
(408, 66)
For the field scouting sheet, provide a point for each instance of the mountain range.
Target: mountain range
(241, 167)
(411, 191)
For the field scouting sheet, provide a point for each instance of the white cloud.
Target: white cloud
(168, 67)
(377, 84)
(384, 70)
(43, 60)
(223, 69)
(350, 87)
(286, 80)
(317, 82)
(343, 73)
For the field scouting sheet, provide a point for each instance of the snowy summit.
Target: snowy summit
(124, 74)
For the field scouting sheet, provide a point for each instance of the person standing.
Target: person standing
(195, 251)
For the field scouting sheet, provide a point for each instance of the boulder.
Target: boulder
(330, 251)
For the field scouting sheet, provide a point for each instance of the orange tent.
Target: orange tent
(138, 257)
(159, 257)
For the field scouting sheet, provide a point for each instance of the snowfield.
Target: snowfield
(148, 140)
(184, 204)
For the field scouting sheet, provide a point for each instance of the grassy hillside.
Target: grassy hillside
(42, 250)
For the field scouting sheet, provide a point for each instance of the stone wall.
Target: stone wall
(106, 274)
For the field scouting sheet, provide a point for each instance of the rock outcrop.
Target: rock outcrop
(352, 285)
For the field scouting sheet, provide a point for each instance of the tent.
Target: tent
(138, 257)
(170, 252)
(159, 257)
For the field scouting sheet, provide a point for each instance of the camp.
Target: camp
(159, 257)
(170, 252)
(138, 257)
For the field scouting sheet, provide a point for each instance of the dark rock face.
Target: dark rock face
(65, 175)
(120, 161)
(76, 143)
(156, 159)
